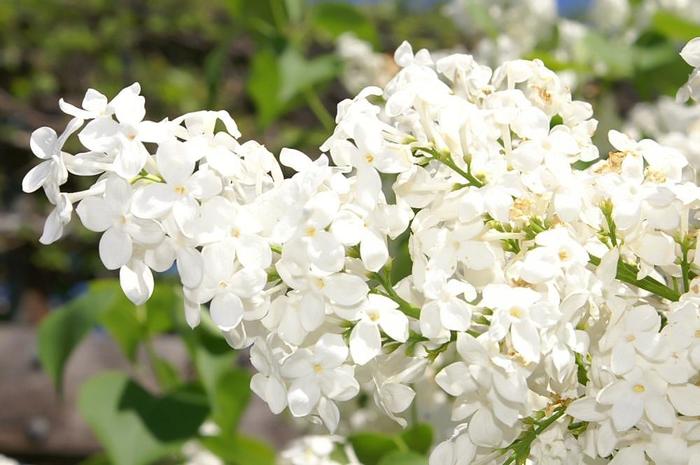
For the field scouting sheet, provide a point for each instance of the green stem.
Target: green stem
(446, 159)
(685, 264)
(148, 177)
(628, 274)
(404, 306)
(521, 446)
(606, 207)
(318, 109)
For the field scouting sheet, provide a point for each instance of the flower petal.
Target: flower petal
(303, 396)
(365, 342)
(153, 200)
(345, 288)
(43, 142)
(115, 248)
(373, 251)
(136, 281)
(189, 265)
(226, 310)
(36, 177)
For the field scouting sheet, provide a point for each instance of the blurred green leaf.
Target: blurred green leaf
(96, 459)
(299, 74)
(654, 56)
(403, 458)
(227, 386)
(276, 80)
(104, 303)
(231, 397)
(134, 426)
(334, 19)
(372, 447)
(419, 438)
(295, 10)
(165, 372)
(240, 450)
(675, 27)
(61, 332)
(263, 86)
(129, 324)
(120, 319)
(613, 59)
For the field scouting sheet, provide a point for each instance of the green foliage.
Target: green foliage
(62, 331)
(409, 447)
(334, 19)
(372, 447)
(104, 303)
(403, 458)
(136, 427)
(418, 438)
(240, 450)
(675, 27)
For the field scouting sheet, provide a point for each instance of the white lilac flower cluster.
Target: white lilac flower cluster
(550, 293)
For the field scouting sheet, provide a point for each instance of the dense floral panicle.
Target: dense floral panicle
(459, 235)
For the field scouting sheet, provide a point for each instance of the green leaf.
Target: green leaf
(334, 19)
(263, 86)
(61, 332)
(161, 307)
(651, 57)
(419, 438)
(616, 57)
(130, 325)
(227, 387)
(134, 426)
(167, 375)
(276, 81)
(675, 27)
(403, 458)
(299, 74)
(121, 321)
(372, 447)
(97, 459)
(240, 450)
(231, 396)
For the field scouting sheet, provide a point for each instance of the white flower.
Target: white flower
(181, 189)
(638, 393)
(226, 284)
(637, 331)
(267, 383)
(319, 376)
(112, 216)
(517, 310)
(123, 138)
(444, 310)
(372, 315)
(50, 173)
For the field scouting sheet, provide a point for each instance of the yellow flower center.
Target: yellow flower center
(564, 255)
(638, 388)
(373, 315)
(318, 369)
(180, 190)
(369, 157)
(516, 312)
(310, 231)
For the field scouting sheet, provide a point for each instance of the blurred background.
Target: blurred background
(279, 67)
